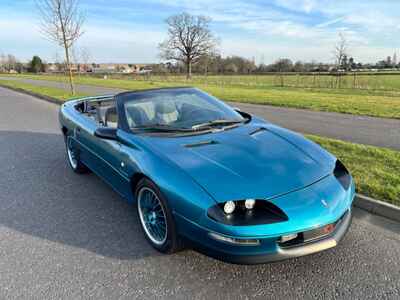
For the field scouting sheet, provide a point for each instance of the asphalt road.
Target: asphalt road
(69, 236)
(358, 129)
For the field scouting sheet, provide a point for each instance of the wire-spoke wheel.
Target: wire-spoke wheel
(73, 157)
(152, 216)
(156, 218)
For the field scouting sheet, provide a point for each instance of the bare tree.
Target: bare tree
(340, 50)
(340, 53)
(61, 22)
(189, 39)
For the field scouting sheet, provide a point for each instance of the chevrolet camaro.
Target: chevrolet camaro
(201, 173)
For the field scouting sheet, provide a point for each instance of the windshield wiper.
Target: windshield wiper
(216, 123)
(161, 128)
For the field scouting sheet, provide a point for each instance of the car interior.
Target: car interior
(166, 113)
(145, 113)
(102, 112)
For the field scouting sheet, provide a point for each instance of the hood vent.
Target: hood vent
(257, 131)
(199, 144)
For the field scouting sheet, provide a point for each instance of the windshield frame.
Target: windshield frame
(122, 98)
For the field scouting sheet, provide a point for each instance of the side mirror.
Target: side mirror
(244, 114)
(106, 133)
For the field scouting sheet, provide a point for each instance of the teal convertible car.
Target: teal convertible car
(203, 174)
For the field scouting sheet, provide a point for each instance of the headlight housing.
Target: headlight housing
(246, 212)
(342, 174)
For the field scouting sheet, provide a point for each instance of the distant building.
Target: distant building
(120, 68)
(108, 68)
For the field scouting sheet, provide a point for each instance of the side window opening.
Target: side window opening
(103, 112)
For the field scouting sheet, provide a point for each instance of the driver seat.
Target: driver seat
(166, 112)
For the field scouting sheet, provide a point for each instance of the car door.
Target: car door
(111, 164)
(104, 157)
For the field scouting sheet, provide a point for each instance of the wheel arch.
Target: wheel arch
(64, 130)
(134, 181)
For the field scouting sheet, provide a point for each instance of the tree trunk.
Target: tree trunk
(71, 80)
(66, 48)
(188, 69)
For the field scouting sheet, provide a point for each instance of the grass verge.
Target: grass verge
(375, 170)
(55, 93)
(350, 101)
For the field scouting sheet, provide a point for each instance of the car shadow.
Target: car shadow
(42, 197)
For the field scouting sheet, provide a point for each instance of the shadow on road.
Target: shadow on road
(42, 197)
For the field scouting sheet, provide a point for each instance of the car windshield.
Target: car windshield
(178, 109)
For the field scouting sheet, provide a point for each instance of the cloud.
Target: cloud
(306, 6)
(330, 22)
(373, 21)
(122, 44)
(105, 43)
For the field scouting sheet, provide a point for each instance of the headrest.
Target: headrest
(111, 114)
(165, 107)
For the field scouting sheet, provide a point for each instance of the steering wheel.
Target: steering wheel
(194, 114)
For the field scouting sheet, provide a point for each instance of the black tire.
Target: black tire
(73, 158)
(172, 241)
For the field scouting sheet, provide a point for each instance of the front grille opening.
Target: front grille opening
(312, 235)
(295, 242)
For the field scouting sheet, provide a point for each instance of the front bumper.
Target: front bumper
(269, 249)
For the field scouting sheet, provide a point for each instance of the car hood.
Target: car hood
(251, 161)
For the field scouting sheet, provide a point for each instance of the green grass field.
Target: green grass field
(375, 170)
(375, 83)
(264, 90)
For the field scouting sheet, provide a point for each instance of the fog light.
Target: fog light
(230, 240)
(229, 207)
(289, 237)
(249, 203)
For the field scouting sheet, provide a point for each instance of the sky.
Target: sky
(123, 31)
